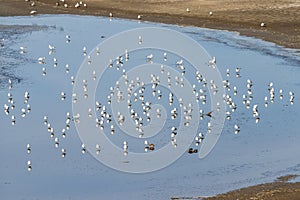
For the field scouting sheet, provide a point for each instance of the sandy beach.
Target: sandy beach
(281, 18)
(282, 26)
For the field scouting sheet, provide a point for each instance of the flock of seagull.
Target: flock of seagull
(138, 96)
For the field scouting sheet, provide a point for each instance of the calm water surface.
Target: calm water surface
(260, 153)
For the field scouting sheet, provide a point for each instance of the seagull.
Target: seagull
(6, 109)
(179, 62)
(23, 112)
(89, 60)
(63, 152)
(84, 51)
(210, 13)
(97, 149)
(266, 101)
(227, 72)
(63, 133)
(29, 167)
(33, 12)
(54, 62)
(22, 50)
(149, 57)
(56, 140)
(262, 24)
(112, 129)
(9, 97)
(199, 139)
(41, 60)
(237, 72)
(125, 148)
(292, 97)
(234, 91)
(165, 56)
(213, 61)
(13, 120)
(9, 84)
(236, 129)
(280, 94)
(45, 120)
(43, 71)
(257, 119)
(51, 48)
(28, 148)
(83, 149)
(12, 106)
(67, 69)
(68, 39)
(63, 96)
(228, 116)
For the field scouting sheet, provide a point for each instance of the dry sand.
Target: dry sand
(282, 17)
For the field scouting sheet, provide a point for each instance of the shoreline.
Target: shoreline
(282, 24)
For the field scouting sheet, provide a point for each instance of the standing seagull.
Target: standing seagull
(29, 168)
(28, 148)
(68, 39)
(236, 129)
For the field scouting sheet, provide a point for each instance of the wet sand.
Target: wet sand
(282, 18)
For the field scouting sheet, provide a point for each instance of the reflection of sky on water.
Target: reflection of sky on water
(260, 153)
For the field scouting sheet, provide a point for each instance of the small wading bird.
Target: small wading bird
(191, 151)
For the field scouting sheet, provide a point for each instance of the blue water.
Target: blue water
(260, 153)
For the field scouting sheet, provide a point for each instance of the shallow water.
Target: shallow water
(260, 153)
